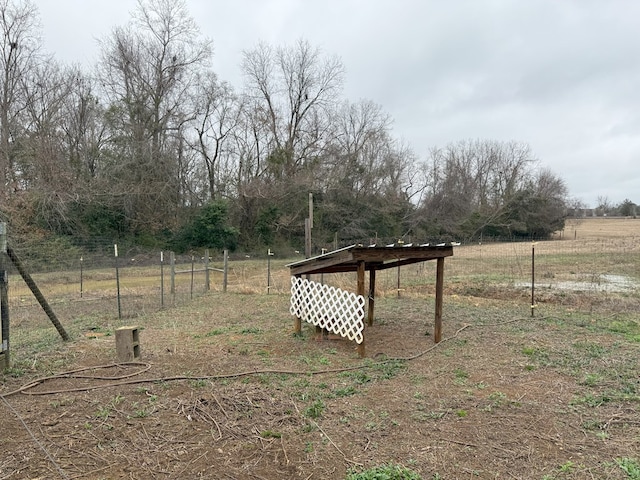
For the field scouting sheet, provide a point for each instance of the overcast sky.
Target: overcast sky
(562, 76)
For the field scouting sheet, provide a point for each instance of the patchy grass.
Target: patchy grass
(506, 383)
(230, 391)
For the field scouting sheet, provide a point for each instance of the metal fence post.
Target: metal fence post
(226, 269)
(4, 299)
(162, 279)
(207, 284)
(192, 269)
(115, 251)
(269, 255)
(172, 264)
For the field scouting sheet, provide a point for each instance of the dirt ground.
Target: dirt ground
(224, 390)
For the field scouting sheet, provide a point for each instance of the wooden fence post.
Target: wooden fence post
(437, 329)
(36, 293)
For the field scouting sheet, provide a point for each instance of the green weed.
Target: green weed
(593, 350)
(389, 471)
(591, 380)
(14, 372)
(567, 466)
(630, 466)
(630, 329)
(346, 391)
(250, 331)
(460, 376)
(315, 409)
(198, 383)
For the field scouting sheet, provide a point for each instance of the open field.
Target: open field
(226, 391)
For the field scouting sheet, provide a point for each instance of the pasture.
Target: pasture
(224, 390)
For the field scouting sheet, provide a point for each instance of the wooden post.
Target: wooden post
(437, 331)
(372, 294)
(37, 293)
(226, 269)
(307, 238)
(361, 270)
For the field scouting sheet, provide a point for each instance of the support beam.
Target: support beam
(437, 331)
(372, 294)
(37, 293)
(361, 270)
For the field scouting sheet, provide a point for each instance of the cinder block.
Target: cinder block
(128, 343)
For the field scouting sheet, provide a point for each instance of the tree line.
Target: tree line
(150, 145)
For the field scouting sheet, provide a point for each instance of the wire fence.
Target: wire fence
(138, 282)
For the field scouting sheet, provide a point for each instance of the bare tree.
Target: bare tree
(83, 126)
(219, 114)
(605, 205)
(19, 53)
(366, 175)
(149, 69)
(292, 89)
(474, 184)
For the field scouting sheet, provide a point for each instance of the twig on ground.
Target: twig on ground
(336, 446)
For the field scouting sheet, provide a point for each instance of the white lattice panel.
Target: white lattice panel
(336, 310)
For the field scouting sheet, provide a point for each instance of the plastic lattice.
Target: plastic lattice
(333, 309)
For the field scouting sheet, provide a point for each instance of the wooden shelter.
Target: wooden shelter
(357, 258)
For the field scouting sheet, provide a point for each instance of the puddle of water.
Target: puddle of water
(598, 283)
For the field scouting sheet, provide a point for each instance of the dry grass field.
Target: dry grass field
(224, 390)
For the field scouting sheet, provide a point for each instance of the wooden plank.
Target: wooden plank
(372, 293)
(319, 264)
(437, 331)
(378, 258)
(406, 261)
(383, 254)
(324, 255)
